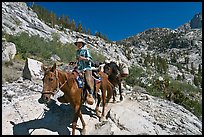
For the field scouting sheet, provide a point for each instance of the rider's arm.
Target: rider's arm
(83, 58)
(86, 58)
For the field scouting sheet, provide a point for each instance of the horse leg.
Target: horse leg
(109, 93)
(76, 115)
(83, 132)
(114, 94)
(97, 106)
(104, 104)
(120, 91)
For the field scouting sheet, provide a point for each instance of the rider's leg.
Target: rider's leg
(90, 81)
(90, 86)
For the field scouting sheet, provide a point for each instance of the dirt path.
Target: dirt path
(145, 115)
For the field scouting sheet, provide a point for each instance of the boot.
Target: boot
(89, 99)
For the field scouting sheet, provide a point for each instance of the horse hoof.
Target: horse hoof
(83, 132)
(97, 114)
(102, 119)
(121, 98)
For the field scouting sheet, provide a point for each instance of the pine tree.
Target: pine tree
(178, 77)
(73, 25)
(67, 22)
(196, 82)
(187, 68)
(154, 60)
(192, 68)
(183, 76)
(62, 20)
(145, 62)
(164, 65)
(173, 58)
(53, 19)
(199, 70)
(96, 34)
(186, 60)
(79, 28)
(100, 34)
(89, 32)
(105, 37)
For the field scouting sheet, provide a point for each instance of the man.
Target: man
(84, 60)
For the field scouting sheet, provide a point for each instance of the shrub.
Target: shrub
(182, 92)
(37, 47)
(41, 49)
(134, 74)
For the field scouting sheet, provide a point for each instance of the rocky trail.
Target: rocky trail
(137, 114)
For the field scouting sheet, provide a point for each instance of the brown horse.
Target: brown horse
(55, 80)
(104, 86)
(115, 76)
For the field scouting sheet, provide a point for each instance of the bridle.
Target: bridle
(58, 86)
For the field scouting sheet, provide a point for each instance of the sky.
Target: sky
(119, 20)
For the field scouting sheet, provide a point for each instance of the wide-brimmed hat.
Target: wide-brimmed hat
(80, 40)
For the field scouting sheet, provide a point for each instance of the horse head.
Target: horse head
(50, 82)
(112, 69)
(107, 69)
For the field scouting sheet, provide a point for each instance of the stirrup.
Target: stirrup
(79, 82)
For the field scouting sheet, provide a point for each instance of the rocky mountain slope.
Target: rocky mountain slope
(185, 40)
(181, 48)
(17, 17)
(23, 114)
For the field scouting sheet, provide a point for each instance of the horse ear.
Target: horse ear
(53, 67)
(43, 67)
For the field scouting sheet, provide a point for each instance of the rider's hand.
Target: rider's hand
(82, 58)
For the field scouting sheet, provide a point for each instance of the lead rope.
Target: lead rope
(58, 88)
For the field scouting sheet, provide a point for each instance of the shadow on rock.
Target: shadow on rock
(56, 119)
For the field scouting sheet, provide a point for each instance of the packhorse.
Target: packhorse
(55, 80)
(116, 73)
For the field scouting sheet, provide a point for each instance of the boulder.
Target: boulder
(8, 51)
(55, 58)
(32, 69)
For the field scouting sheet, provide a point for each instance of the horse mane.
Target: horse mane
(67, 74)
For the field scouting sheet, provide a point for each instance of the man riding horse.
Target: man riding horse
(83, 66)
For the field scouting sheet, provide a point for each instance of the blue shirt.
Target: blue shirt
(82, 64)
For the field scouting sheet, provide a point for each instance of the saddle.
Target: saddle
(81, 80)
